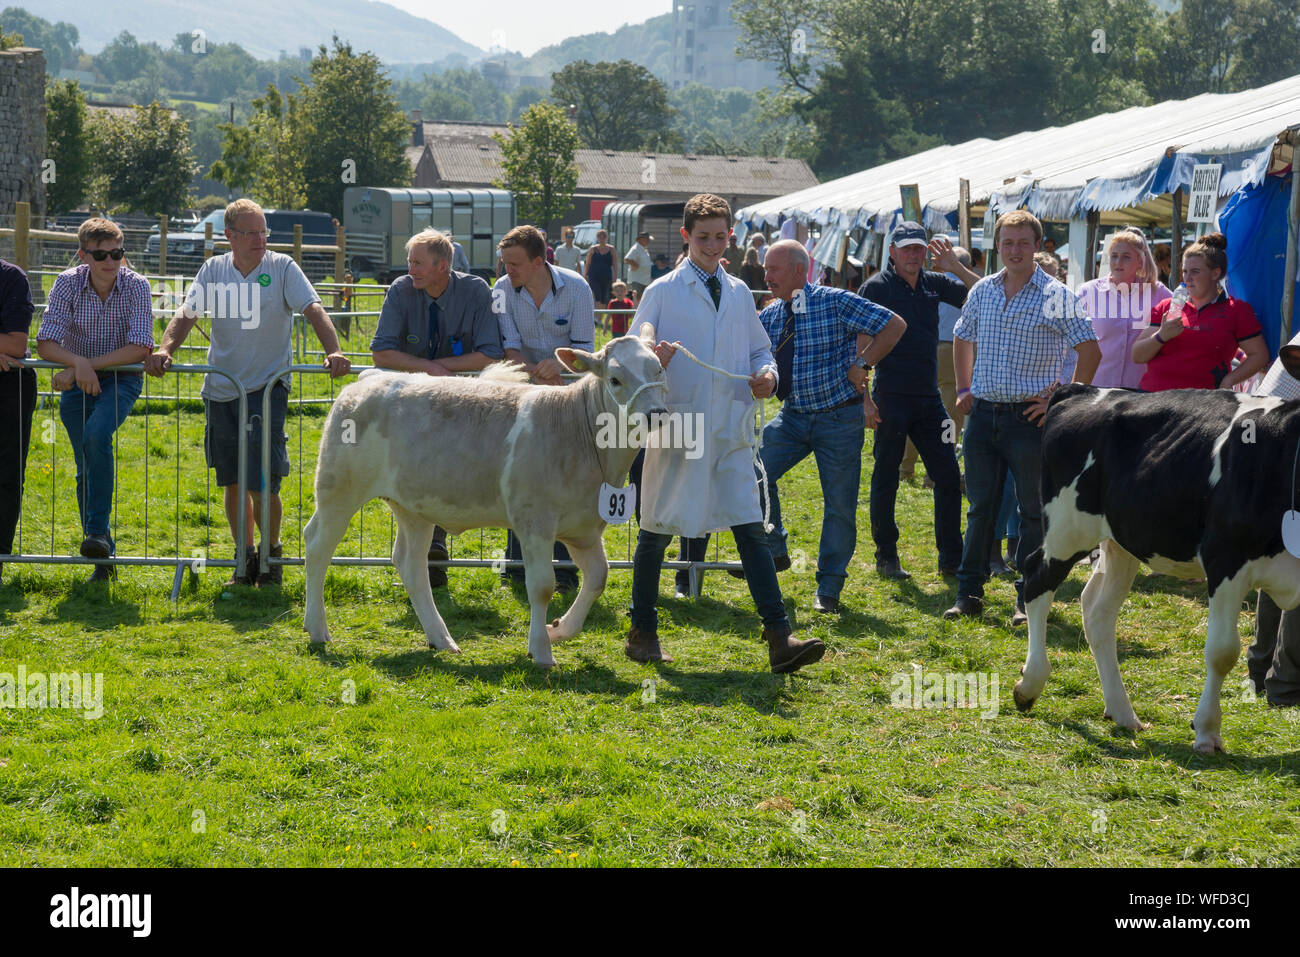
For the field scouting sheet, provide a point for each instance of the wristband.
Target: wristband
(962, 392)
(1158, 339)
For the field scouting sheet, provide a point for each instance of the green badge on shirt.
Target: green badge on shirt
(263, 280)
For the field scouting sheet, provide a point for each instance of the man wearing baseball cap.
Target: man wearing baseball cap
(638, 262)
(907, 395)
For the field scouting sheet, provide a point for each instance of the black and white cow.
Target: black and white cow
(1192, 482)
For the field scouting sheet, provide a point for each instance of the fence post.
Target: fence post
(297, 244)
(207, 240)
(162, 245)
(338, 266)
(22, 223)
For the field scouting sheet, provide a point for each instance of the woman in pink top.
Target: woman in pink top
(1120, 307)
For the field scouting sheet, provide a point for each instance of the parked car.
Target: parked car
(317, 230)
(584, 234)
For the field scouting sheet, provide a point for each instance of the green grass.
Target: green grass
(226, 741)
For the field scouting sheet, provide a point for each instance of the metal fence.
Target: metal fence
(162, 426)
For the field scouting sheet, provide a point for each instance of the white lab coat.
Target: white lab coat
(691, 496)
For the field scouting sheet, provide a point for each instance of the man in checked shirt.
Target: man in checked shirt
(99, 314)
(825, 342)
(1008, 350)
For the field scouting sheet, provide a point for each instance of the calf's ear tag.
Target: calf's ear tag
(616, 505)
(1291, 532)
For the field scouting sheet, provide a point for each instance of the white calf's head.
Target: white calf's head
(629, 370)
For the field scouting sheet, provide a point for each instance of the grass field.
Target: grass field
(224, 740)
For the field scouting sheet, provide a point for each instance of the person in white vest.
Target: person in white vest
(712, 485)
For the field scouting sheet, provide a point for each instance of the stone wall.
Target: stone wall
(22, 130)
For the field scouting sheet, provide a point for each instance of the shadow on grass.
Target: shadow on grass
(757, 689)
(13, 599)
(1286, 765)
(97, 607)
(582, 676)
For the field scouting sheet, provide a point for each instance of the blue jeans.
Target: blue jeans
(835, 439)
(760, 575)
(1008, 523)
(692, 549)
(91, 421)
(921, 418)
(998, 438)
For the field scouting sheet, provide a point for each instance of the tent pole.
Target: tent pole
(963, 213)
(1292, 229)
(1090, 246)
(1176, 240)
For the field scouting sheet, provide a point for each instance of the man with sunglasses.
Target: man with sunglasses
(99, 315)
(251, 294)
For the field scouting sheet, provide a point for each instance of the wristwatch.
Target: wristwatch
(861, 363)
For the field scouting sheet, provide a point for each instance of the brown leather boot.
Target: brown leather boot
(643, 646)
(787, 654)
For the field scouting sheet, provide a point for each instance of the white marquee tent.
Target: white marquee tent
(1123, 166)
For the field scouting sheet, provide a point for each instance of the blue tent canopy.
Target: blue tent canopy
(1254, 222)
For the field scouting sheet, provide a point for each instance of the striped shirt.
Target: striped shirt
(78, 320)
(567, 316)
(1278, 382)
(1021, 345)
(704, 276)
(826, 329)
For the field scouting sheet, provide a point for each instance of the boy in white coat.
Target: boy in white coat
(711, 313)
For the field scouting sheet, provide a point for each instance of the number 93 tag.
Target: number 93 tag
(616, 505)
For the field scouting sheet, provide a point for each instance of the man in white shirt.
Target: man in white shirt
(638, 262)
(567, 255)
(251, 293)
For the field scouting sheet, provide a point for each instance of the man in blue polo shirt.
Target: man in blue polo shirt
(820, 342)
(906, 392)
(1009, 347)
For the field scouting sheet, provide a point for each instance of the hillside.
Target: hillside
(392, 34)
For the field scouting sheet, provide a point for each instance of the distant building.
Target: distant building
(464, 156)
(704, 49)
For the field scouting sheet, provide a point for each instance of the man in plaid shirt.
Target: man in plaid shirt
(1009, 347)
(825, 342)
(99, 315)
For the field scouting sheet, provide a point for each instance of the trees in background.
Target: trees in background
(537, 164)
(878, 79)
(303, 149)
(143, 162)
(617, 106)
(66, 131)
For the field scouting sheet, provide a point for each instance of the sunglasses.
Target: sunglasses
(99, 255)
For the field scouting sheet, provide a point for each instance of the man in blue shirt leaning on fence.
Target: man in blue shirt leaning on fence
(439, 321)
(251, 294)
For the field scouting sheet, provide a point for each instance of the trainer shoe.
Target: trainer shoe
(274, 574)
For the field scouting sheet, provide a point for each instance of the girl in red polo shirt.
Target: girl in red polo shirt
(1195, 350)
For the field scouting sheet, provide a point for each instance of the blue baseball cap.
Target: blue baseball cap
(909, 234)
